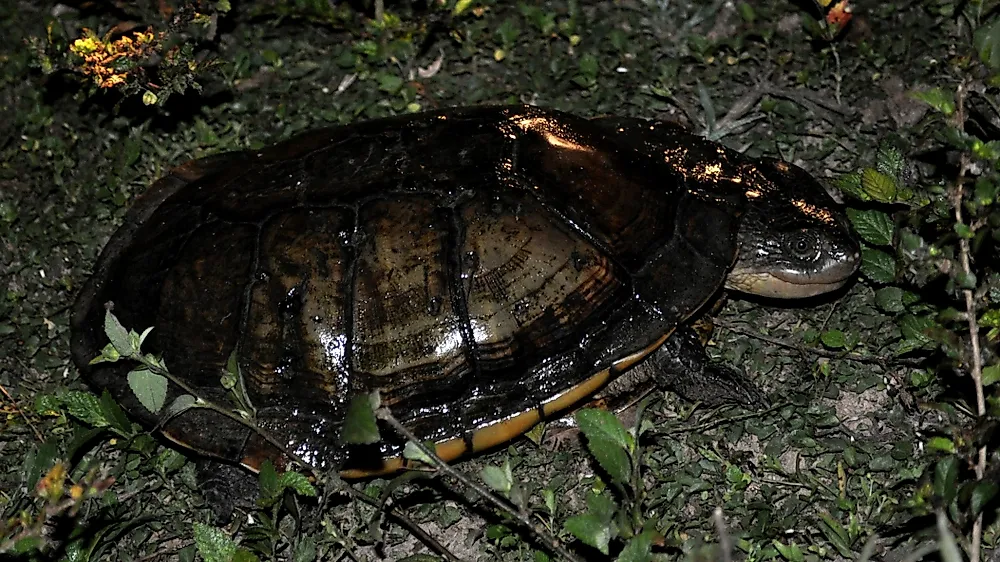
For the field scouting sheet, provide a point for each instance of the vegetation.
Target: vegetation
(880, 442)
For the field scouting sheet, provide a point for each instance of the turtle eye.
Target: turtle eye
(803, 245)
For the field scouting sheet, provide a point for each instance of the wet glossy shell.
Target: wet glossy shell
(479, 267)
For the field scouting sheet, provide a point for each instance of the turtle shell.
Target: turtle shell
(481, 268)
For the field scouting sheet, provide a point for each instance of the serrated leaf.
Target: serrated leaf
(982, 493)
(601, 505)
(149, 387)
(833, 339)
(850, 184)
(889, 160)
(85, 407)
(117, 334)
(612, 458)
(878, 186)
(890, 299)
(213, 544)
(305, 550)
(603, 424)
(878, 266)
(874, 227)
(360, 426)
(496, 478)
(638, 549)
(591, 530)
(297, 482)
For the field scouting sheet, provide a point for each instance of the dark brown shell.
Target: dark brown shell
(472, 265)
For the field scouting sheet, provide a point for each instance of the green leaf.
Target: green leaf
(108, 355)
(890, 299)
(26, 545)
(497, 478)
(118, 335)
(590, 529)
(981, 495)
(790, 552)
(991, 375)
(297, 482)
(915, 328)
(878, 186)
(244, 555)
(267, 480)
(943, 102)
(875, 227)
(945, 475)
(305, 550)
(889, 160)
(596, 423)
(412, 452)
(608, 442)
(181, 404)
(213, 544)
(85, 407)
(833, 339)
(638, 549)
(601, 505)
(360, 426)
(878, 266)
(115, 415)
(389, 83)
(851, 185)
(149, 387)
(986, 40)
(836, 534)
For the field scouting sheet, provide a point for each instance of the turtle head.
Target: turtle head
(794, 240)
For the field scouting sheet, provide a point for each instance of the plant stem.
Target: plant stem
(413, 527)
(970, 314)
(550, 540)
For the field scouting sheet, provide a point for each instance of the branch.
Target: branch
(550, 540)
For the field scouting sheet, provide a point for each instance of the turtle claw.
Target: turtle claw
(681, 365)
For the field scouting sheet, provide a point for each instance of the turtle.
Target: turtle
(483, 268)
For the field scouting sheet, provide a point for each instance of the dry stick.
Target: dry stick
(401, 517)
(725, 541)
(525, 519)
(18, 409)
(970, 314)
(861, 358)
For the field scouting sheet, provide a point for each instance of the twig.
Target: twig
(18, 409)
(550, 540)
(957, 196)
(339, 484)
(849, 355)
(725, 541)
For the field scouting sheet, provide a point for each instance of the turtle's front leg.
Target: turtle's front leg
(681, 365)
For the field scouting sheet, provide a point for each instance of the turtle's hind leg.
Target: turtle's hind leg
(226, 487)
(681, 365)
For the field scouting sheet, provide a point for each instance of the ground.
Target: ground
(840, 441)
